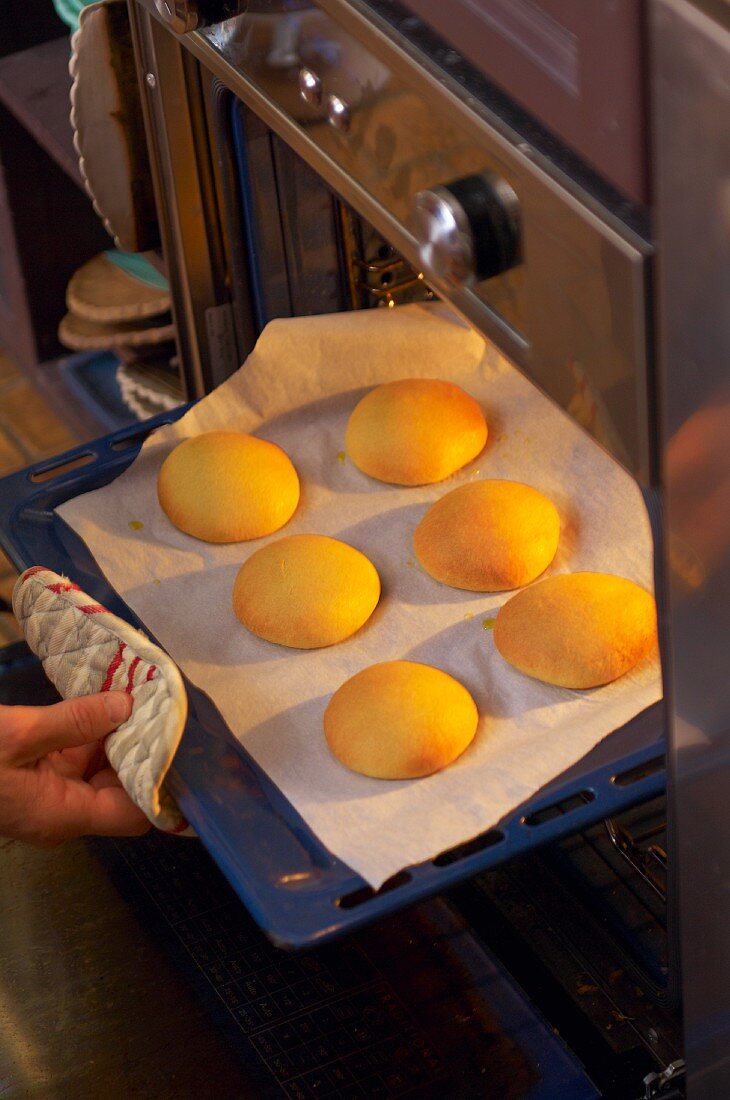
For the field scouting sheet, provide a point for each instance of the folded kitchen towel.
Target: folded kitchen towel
(85, 649)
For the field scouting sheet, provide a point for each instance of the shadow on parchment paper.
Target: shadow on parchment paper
(329, 417)
(205, 625)
(569, 544)
(337, 404)
(318, 449)
(299, 733)
(401, 576)
(499, 690)
(226, 642)
(456, 648)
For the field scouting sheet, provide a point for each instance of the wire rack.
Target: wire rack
(645, 849)
(619, 868)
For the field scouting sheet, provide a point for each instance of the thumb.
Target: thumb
(71, 723)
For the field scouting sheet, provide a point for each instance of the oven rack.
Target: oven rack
(607, 867)
(645, 850)
(298, 892)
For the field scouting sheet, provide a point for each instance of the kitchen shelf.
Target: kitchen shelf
(34, 87)
(47, 226)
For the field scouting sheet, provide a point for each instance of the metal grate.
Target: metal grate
(645, 849)
(413, 1007)
(619, 869)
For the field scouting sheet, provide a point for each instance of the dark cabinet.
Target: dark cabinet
(47, 224)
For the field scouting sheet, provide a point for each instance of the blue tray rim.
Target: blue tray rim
(310, 911)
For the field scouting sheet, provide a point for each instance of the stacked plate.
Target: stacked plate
(69, 11)
(119, 302)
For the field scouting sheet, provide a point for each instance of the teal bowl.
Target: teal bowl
(69, 11)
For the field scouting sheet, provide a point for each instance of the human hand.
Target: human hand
(55, 780)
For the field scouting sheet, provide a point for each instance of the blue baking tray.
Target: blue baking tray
(293, 886)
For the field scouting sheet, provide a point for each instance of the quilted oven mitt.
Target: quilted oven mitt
(85, 649)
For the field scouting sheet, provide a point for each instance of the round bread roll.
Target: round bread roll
(577, 630)
(415, 432)
(488, 536)
(306, 591)
(228, 487)
(399, 720)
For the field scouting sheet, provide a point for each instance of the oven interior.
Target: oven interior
(583, 925)
(418, 1003)
(293, 248)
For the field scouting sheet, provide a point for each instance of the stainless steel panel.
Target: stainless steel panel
(394, 142)
(691, 92)
(574, 64)
(185, 195)
(571, 314)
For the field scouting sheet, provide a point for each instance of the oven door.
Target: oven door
(400, 143)
(575, 66)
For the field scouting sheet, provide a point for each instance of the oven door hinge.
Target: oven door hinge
(666, 1085)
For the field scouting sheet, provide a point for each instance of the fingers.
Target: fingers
(47, 754)
(29, 733)
(79, 763)
(106, 777)
(72, 808)
(112, 813)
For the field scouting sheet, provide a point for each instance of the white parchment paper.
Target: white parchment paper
(298, 388)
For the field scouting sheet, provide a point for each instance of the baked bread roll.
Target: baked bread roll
(228, 487)
(415, 432)
(488, 536)
(577, 630)
(399, 720)
(306, 591)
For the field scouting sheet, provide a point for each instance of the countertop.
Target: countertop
(129, 968)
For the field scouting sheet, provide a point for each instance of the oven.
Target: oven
(553, 172)
(557, 173)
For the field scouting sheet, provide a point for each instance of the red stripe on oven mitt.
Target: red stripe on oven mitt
(85, 649)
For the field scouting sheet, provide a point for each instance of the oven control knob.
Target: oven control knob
(180, 15)
(468, 230)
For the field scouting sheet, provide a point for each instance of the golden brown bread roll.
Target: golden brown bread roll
(228, 487)
(577, 630)
(306, 591)
(399, 720)
(415, 432)
(488, 536)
